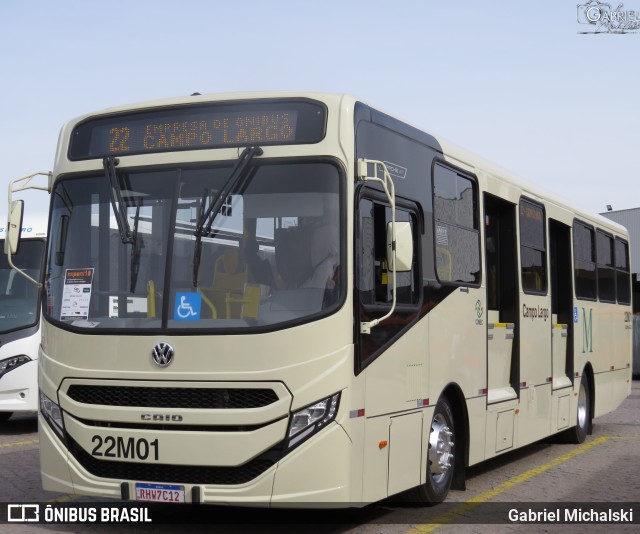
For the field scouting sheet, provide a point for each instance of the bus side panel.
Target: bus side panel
(457, 354)
(477, 410)
(375, 473)
(457, 343)
(600, 345)
(397, 379)
(622, 341)
(535, 368)
(535, 410)
(396, 385)
(609, 391)
(405, 441)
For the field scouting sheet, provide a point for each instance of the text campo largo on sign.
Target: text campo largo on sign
(262, 128)
(535, 312)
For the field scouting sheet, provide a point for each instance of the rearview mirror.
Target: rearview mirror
(14, 227)
(404, 247)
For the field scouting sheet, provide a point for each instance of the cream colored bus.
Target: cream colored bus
(276, 299)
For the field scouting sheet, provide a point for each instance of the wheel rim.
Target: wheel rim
(583, 409)
(440, 448)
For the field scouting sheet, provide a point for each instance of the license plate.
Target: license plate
(159, 493)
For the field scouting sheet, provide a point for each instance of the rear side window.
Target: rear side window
(455, 209)
(584, 261)
(533, 254)
(623, 276)
(606, 273)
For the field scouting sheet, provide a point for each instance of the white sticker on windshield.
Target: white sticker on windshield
(76, 294)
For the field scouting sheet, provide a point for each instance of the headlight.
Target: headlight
(52, 414)
(309, 420)
(12, 363)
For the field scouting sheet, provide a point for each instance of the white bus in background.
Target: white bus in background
(280, 299)
(20, 321)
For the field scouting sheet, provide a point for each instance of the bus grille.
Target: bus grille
(152, 397)
(184, 474)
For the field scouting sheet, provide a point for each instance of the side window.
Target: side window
(533, 254)
(584, 261)
(374, 279)
(606, 273)
(455, 209)
(623, 277)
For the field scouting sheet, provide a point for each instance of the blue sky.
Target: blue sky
(512, 81)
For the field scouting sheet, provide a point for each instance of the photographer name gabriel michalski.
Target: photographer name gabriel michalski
(572, 515)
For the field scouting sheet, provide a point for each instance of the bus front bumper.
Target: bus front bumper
(315, 473)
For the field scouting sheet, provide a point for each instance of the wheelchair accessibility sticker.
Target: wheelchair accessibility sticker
(187, 307)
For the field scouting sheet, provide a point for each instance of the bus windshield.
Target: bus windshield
(271, 255)
(19, 302)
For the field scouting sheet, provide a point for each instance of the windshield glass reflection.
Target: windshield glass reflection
(272, 254)
(19, 302)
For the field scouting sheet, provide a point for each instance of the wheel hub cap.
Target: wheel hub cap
(440, 448)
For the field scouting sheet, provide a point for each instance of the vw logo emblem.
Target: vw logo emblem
(162, 354)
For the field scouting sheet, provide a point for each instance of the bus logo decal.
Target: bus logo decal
(395, 170)
(162, 354)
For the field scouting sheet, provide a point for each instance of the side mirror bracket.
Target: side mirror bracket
(16, 212)
(399, 238)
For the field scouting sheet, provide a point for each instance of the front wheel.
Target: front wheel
(440, 457)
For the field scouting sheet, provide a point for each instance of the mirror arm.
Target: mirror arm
(387, 185)
(21, 272)
(22, 184)
(27, 185)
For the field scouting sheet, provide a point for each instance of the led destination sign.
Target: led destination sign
(224, 129)
(198, 127)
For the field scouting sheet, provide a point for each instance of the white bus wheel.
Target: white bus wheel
(584, 413)
(578, 433)
(440, 458)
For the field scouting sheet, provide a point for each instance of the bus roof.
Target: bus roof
(451, 151)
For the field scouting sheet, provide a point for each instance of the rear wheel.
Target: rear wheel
(440, 457)
(579, 433)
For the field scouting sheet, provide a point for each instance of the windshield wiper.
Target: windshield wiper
(137, 243)
(119, 209)
(237, 180)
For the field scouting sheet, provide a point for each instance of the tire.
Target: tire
(578, 433)
(440, 458)
(4, 416)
